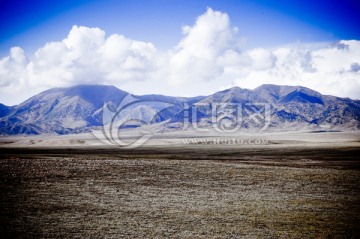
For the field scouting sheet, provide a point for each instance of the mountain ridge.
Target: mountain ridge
(80, 108)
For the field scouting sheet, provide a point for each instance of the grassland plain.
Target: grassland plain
(201, 191)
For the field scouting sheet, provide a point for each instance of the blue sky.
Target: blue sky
(30, 24)
(178, 47)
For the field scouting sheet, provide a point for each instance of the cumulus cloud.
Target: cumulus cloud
(12, 68)
(207, 58)
(262, 59)
(204, 49)
(87, 56)
(355, 67)
(330, 69)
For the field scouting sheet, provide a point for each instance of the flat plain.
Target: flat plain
(194, 191)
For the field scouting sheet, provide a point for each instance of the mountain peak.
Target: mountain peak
(234, 88)
(83, 88)
(277, 89)
(96, 95)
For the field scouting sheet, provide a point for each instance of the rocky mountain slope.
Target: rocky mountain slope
(81, 108)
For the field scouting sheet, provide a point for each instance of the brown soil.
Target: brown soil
(199, 192)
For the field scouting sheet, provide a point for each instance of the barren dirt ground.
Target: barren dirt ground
(199, 192)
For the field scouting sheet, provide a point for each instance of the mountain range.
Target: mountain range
(82, 108)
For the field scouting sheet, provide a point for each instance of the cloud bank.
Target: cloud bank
(206, 59)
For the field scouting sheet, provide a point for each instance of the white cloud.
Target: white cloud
(12, 68)
(87, 56)
(262, 59)
(328, 69)
(205, 47)
(206, 59)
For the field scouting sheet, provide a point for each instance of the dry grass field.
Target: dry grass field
(193, 192)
